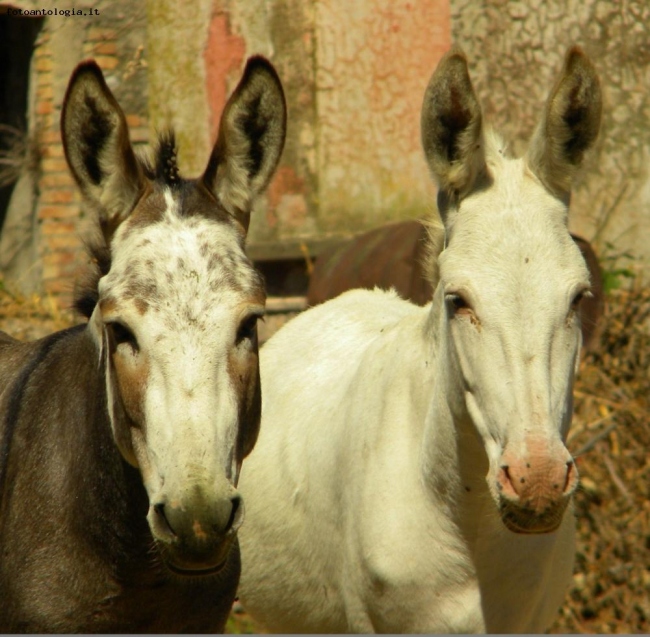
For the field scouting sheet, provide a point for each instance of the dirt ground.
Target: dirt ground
(610, 438)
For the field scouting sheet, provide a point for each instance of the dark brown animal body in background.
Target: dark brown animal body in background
(393, 256)
(121, 439)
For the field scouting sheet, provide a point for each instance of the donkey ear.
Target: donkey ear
(250, 142)
(97, 148)
(569, 125)
(451, 125)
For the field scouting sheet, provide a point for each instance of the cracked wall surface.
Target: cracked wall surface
(516, 50)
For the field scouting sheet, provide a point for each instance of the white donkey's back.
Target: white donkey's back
(411, 473)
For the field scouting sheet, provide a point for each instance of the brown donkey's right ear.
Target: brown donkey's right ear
(97, 147)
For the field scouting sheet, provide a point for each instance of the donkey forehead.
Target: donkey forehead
(510, 233)
(167, 258)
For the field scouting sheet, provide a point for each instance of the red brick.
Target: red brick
(45, 78)
(53, 257)
(104, 48)
(134, 120)
(50, 226)
(44, 107)
(57, 180)
(106, 63)
(54, 165)
(45, 92)
(58, 212)
(44, 64)
(50, 137)
(49, 120)
(62, 244)
(57, 195)
(53, 150)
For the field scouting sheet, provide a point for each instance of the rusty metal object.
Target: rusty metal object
(392, 256)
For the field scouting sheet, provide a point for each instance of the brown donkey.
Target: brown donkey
(121, 440)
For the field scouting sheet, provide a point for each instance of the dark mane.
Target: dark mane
(164, 171)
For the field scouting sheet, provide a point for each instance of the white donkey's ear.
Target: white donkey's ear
(97, 147)
(250, 142)
(569, 125)
(451, 125)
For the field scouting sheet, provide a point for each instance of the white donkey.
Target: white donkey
(411, 473)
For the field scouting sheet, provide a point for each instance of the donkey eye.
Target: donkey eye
(457, 303)
(123, 334)
(578, 298)
(247, 328)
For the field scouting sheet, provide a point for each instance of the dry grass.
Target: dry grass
(610, 436)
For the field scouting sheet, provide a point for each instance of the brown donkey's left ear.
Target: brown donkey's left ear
(250, 142)
(97, 148)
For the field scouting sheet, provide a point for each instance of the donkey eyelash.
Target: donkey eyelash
(457, 301)
(247, 328)
(123, 334)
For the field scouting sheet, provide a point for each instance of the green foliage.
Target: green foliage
(616, 274)
(240, 623)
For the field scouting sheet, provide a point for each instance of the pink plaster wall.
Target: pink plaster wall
(354, 74)
(224, 57)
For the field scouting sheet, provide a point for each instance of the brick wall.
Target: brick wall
(117, 46)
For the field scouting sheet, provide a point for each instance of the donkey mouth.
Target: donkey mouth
(196, 572)
(198, 563)
(528, 522)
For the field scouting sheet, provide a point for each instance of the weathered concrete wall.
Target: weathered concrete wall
(176, 38)
(374, 60)
(516, 50)
(354, 75)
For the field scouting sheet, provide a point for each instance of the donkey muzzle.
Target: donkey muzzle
(535, 488)
(196, 533)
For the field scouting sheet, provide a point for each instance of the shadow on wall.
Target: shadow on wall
(17, 191)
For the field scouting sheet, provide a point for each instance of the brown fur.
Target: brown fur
(77, 551)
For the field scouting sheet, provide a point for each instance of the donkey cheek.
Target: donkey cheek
(245, 379)
(131, 380)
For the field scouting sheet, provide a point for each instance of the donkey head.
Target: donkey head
(175, 307)
(511, 281)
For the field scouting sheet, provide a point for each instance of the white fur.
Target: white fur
(373, 492)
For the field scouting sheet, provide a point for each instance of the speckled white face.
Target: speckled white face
(179, 305)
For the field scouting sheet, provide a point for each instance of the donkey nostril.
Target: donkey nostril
(159, 510)
(234, 512)
(569, 474)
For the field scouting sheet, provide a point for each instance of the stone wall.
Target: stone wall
(516, 50)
